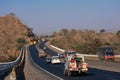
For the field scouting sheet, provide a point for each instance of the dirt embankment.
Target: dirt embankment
(11, 29)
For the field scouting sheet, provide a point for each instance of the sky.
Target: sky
(47, 16)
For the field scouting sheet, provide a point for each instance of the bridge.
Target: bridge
(28, 66)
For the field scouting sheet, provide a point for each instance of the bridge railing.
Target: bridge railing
(6, 66)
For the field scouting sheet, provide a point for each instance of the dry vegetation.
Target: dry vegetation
(12, 31)
(87, 41)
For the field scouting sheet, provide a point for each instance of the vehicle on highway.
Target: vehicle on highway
(69, 52)
(42, 55)
(75, 64)
(61, 55)
(106, 53)
(48, 60)
(55, 59)
(44, 47)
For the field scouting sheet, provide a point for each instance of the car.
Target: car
(61, 55)
(44, 47)
(42, 55)
(55, 59)
(48, 60)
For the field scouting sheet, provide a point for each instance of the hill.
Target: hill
(11, 31)
(87, 41)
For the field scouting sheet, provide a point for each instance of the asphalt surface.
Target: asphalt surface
(105, 65)
(31, 71)
(57, 69)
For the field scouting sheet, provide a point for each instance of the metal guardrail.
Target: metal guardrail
(6, 66)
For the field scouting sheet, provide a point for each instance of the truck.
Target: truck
(106, 53)
(69, 53)
(75, 63)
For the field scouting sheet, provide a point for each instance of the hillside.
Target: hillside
(11, 29)
(87, 41)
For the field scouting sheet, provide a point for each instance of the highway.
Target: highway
(28, 70)
(57, 69)
(31, 71)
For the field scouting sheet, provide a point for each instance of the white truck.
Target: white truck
(75, 63)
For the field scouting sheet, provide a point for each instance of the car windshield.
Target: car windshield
(71, 53)
(109, 53)
(55, 57)
(79, 59)
(48, 58)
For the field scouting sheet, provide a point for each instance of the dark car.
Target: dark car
(61, 55)
(48, 60)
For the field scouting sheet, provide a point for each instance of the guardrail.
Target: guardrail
(87, 55)
(6, 66)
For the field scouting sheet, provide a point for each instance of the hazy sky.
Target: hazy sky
(46, 16)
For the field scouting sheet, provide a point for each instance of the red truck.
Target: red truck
(106, 53)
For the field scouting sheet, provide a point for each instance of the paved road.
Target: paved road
(34, 73)
(93, 74)
(31, 72)
(104, 65)
(28, 71)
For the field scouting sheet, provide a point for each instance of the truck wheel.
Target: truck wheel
(69, 73)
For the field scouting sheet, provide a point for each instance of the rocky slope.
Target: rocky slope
(11, 29)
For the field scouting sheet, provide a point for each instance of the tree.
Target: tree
(12, 14)
(64, 32)
(20, 42)
(102, 31)
(118, 34)
(53, 34)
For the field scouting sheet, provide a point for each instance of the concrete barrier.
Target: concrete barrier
(86, 55)
(57, 48)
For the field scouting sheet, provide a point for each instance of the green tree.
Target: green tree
(20, 42)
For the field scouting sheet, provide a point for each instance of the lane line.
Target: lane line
(41, 67)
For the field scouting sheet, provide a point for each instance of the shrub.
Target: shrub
(20, 43)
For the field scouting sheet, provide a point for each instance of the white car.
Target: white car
(55, 59)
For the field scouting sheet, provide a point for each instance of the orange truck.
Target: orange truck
(106, 53)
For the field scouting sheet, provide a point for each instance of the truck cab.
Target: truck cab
(106, 53)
